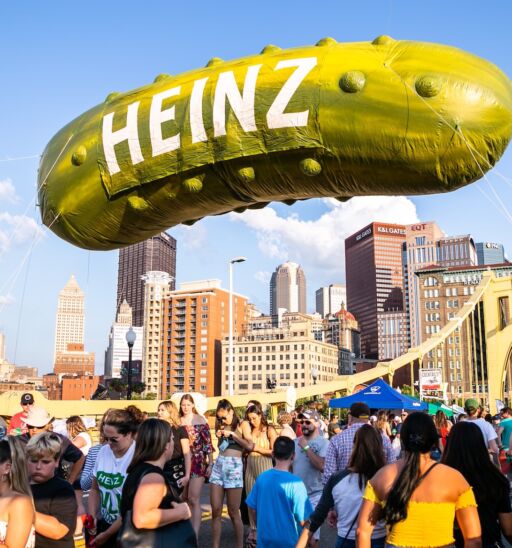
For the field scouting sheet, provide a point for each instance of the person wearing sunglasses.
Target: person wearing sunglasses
(17, 424)
(310, 450)
(227, 477)
(110, 471)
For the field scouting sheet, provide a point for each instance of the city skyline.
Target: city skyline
(310, 233)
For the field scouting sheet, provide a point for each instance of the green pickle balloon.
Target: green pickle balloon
(331, 120)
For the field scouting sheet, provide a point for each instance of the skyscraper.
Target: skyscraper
(329, 299)
(117, 350)
(375, 289)
(70, 317)
(288, 289)
(156, 254)
(490, 253)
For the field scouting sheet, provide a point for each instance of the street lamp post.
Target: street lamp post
(130, 339)
(231, 366)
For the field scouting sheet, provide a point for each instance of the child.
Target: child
(54, 498)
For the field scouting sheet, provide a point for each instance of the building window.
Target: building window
(504, 312)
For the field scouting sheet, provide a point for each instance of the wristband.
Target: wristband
(305, 449)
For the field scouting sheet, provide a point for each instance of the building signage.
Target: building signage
(363, 234)
(490, 245)
(391, 230)
(418, 227)
(430, 379)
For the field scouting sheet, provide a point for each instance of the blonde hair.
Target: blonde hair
(284, 418)
(46, 444)
(12, 450)
(75, 425)
(174, 416)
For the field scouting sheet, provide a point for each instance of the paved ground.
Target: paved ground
(327, 539)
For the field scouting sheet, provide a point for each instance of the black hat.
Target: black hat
(360, 410)
(27, 399)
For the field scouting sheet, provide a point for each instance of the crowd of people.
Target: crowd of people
(381, 479)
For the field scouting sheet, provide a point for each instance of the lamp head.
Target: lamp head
(238, 260)
(131, 336)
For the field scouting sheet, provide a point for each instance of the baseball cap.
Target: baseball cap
(309, 414)
(37, 416)
(360, 410)
(471, 404)
(27, 399)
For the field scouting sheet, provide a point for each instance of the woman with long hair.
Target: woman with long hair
(466, 452)
(284, 419)
(344, 491)
(382, 423)
(418, 497)
(443, 426)
(16, 506)
(119, 429)
(261, 435)
(227, 476)
(201, 450)
(149, 497)
(177, 468)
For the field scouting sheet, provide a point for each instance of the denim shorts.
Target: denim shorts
(228, 472)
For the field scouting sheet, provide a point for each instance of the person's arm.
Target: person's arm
(239, 438)
(79, 442)
(88, 470)
(76, 469)
(368, 517)
(187, 457)
(247, 435)
(469, 524)
(93, 503)
(50, 527)
(146, 514)
(506, 525)
(20, 519)
(316, 460)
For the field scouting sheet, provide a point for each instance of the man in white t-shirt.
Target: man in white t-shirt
(472, 407)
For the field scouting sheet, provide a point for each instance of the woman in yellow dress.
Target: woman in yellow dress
(419, 498)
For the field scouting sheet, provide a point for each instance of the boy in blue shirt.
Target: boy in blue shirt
(279, 500)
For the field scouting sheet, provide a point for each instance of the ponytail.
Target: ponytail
(418, 436)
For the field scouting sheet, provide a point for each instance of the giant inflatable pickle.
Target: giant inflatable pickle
(331, 120)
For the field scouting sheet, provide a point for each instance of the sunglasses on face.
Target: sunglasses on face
(110, 440)
(306, 422)
(221, 419)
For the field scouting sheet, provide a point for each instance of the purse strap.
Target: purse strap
(350, 529)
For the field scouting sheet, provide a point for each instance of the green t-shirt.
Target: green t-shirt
(506, 424)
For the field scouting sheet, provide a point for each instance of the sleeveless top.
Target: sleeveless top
(131, 485)
(232, 444)
(427, 523)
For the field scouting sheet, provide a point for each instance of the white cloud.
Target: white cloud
(319, 244)
(18, 229)
(7, 191)
(192, 237)
(6, 300)
(263, 276)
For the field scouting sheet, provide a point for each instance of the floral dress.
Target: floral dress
(200, 447)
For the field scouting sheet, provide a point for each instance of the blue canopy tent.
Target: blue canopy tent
(379, 395)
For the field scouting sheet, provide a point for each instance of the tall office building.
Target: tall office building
(70, 317)
(490, 253)
(288, 289)
(426, 245)
(2, 347)
(156, 254)
(373, 262)
(196, 320)
(117, 351)
(156, 289)
(329, 299)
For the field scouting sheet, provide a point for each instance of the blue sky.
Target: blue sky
(61, 58)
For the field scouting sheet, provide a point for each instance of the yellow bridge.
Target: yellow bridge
(482, 327)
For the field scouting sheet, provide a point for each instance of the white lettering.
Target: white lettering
(196, 111)
(276, 117)
(128, 133)
(242, 105)
(157, 117)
